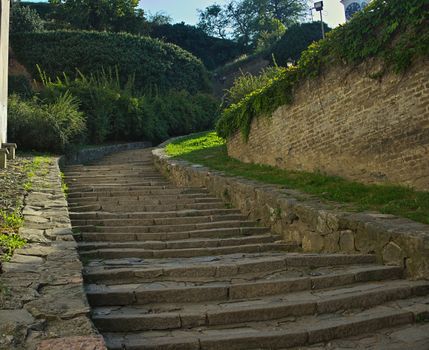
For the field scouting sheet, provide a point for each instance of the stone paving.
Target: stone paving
(42, 300)
(177, 268)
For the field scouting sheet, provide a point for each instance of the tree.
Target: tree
(24, 19)
(101, 15)
(250, 21)
(214, 21)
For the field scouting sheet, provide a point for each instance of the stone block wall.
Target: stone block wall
(4, 47)
(349, 124)
(318, 227)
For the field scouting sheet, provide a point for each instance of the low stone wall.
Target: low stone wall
(318, 227)
(42, 301)
(92, 154)
(348, 124)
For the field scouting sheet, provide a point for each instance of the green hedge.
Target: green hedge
(395, 31)
(156, 66)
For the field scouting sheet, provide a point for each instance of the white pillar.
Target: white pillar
(4, 60)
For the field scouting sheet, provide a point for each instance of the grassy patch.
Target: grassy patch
(210, 150)
(31, 168)
(9, 226)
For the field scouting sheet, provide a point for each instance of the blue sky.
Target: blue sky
(186, 10)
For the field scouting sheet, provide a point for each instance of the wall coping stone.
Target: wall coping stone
(319, 227)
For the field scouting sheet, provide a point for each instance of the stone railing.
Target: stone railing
(318, 227)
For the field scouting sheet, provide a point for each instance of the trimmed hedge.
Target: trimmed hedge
(155, 65)
(214, 52)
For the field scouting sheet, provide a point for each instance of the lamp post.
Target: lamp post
(318, 6)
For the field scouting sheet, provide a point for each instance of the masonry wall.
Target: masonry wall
(4, 46)
(348, 124)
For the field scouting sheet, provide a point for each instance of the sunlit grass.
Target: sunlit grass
(210, 150)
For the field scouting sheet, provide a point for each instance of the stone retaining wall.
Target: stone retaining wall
(318, 227)
(42, 301)
(92, 154)
(348, 124)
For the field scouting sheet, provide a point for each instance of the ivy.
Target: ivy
(395, 31)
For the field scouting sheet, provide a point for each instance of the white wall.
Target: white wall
(4, 49)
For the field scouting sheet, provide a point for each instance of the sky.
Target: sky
(186, 10)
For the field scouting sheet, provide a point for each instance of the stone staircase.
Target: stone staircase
(176, 268)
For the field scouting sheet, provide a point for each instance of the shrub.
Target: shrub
(24, 19)
(19, 85)
(119, 113)
(395, 32)
(156, 66)
(246, 83)
(214, 52)
(297, 39)
(40, 126)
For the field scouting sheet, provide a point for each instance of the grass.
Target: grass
(9, 226)
(210, 150)
(10, 222)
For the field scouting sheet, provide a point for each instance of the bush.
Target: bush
(246, 83)
(119, 113)
(19, 85)
(214, 52)
(156, 66)
(297, 39)
(40, 126)
(24, 19)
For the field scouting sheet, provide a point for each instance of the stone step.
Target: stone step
(162, 225)
(121, 253)
(280, 334)
(236, 289)
(118, 184)
(115, 188)
(221, 267)
(165, 313)
(151, 219)
(148, 191)
(181, 244)
(167, 214)
(139, 206)
(133, 234)
(138, 200)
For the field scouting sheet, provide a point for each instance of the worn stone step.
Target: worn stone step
(163, 225)
(214, 213)
(282, 334)
(181, 244)
(117, 188)
(133, 234)
(149, 200)
(244, 288)
(187, 310)
(141, 206)
(219, 267)
(150, 218)
(147, 191)
(185, 253)
(124, 184)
